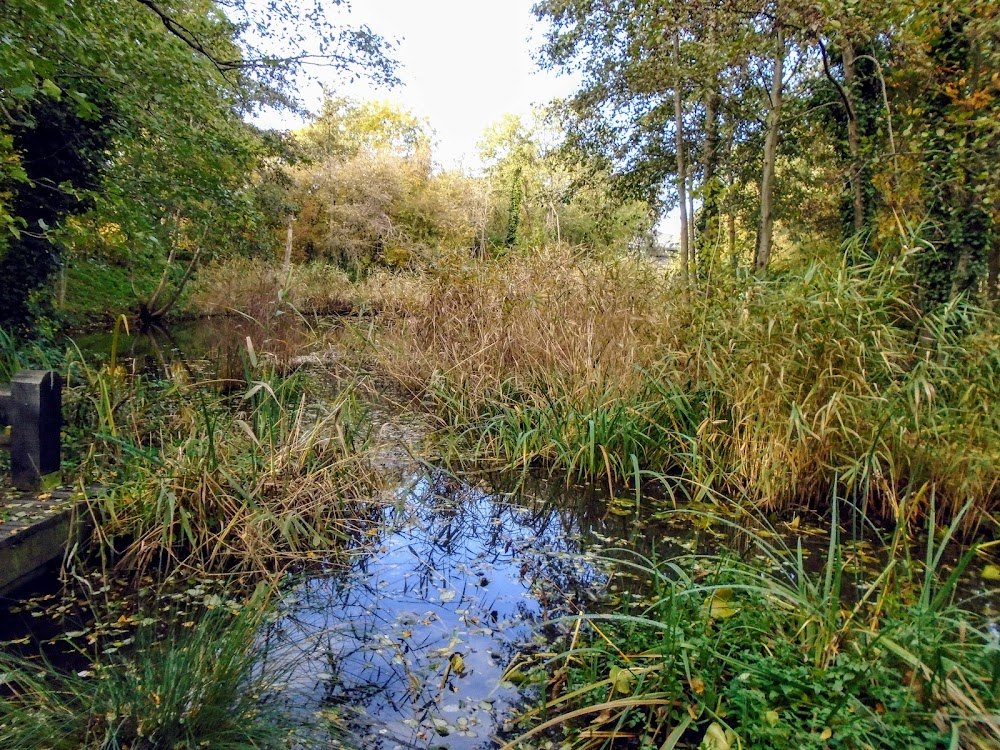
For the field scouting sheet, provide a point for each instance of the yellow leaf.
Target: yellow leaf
(718, 606)
(602, 718)
(716, 738)
(991, 573)
(622, 679)
(827, 734)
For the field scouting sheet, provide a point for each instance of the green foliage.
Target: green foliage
(60, 154)
(769, 652)
(15, 355)
(198, 685)
(345, 128)
(176, 166)
(952, 130)
(542, 191)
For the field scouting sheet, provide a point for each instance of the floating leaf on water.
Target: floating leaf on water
(447, 595)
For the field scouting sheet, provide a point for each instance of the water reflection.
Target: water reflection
(212, 347)
(413, 641)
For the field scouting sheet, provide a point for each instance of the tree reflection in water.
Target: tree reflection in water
(412, 641)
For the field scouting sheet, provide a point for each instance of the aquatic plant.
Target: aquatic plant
(772, 390)
(260, 289)
(253, 482)
(763, 651)
(179, 685)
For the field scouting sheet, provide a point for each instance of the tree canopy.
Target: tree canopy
(144, 104)
(752, 105)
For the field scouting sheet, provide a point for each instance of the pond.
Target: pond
(416, 643)
(411, 645)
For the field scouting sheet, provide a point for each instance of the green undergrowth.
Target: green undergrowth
(17, 355)
(773, 390)
(206, 682)
(100, 291)
(759, 651)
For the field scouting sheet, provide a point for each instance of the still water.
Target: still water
(410, 646)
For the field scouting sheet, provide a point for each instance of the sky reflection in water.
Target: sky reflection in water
(413, 641)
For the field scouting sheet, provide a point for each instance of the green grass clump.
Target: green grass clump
(251, 482)
(763, 652)
(199, 684)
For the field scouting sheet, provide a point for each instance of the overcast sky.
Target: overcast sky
(463, 63)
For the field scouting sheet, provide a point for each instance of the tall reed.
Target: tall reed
(194, 478)
(772, 390)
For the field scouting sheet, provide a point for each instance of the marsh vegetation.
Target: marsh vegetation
(378, 454)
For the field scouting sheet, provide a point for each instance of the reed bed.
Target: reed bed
(772, 390)
(253, 483)
(259, 289)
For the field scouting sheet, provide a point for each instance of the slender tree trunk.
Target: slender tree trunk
(708, 222)
(692, 239)
(681, 166)
(62, 282)
(765, 231)
(734, 256)
(854, 138)
(993, 274)
(288, 247)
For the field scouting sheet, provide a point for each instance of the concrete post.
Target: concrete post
(35, 411)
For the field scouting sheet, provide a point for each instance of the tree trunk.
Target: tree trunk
(993, 274)
(681, 166)
(765, 230)
(734, 256)
(693, 238)
(854, 138)
(288, 248)
(708, 222)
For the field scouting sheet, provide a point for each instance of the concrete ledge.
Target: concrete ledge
(34, 533)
